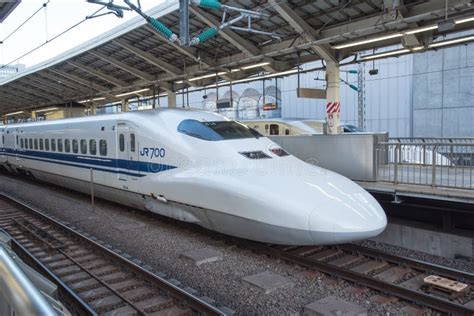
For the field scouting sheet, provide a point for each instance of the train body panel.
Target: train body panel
(197, 167)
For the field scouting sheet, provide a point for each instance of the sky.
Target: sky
(58, 16)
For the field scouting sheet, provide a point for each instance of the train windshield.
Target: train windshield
(215, 131)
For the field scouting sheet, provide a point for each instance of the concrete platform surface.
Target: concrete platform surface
(201, 256)
(267, 281)
(331, 306)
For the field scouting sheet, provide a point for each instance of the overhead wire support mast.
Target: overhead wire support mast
(244, 14)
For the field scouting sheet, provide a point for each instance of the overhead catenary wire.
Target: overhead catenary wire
(52, 39)
(43, 6)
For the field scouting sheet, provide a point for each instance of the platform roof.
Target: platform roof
(7, 7)
(133, 56)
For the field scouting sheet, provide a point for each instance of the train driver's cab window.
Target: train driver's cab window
(60, 145)
(41, 144)
(93, 147)
(46, 144)
(122, 142)
(103, 147)
(274, 129)
(215, 131)
(75, 146)
(287, 131)
(53, 145)
(83, 147)
(67, 145)
(132, 143)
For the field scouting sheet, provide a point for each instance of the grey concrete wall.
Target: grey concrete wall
(443, 91)
(432, 242)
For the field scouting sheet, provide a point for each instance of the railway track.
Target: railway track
(91, 279)
(394, 276)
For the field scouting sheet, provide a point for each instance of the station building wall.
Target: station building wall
(443, 93)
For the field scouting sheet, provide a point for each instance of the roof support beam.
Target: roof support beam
(43, 81)
(303, 28)
(63, 83)
(35, 92)
(15, 93)
(79, 80)
(232, 37)
(44, 87)
(149, 58)
(101, 75)
(119, 64)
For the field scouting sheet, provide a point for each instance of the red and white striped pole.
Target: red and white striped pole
(333, 104)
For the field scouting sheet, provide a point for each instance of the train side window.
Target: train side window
(274, 129)
(83, 147)
(67, 145)
(60, 145)
(53, 145)
(132, 143)
(41, 146)
(36, 144)
(287, 131)
(22, 143)
(122, 142)
(93, 147)
(17, 141)
(46, 144)
(31, 143)
(103, 147)
(26, 143)
(75, 146)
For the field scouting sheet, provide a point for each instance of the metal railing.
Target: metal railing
(437, 164)
(17, 291)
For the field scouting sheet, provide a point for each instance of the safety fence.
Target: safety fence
(433, 162)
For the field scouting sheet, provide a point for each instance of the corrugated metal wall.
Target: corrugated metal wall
(443, 91)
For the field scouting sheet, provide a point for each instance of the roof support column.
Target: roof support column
(33, 116)
(124, 106)
(171, 99)
(333, 96)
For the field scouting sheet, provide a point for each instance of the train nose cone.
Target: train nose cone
(347, 213)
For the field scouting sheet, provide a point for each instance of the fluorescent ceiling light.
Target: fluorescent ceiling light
(422, 29)
(256, 65)
(181, 81)
(367, 41)
(133, 92)
(46, 110)
(386, 54)
(453, 41)
(465, 20)
(92, 100)
(207, 76)
(15, 113)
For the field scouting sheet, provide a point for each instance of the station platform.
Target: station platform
(420, 191)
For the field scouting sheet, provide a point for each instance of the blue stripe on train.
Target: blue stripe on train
(95, 162)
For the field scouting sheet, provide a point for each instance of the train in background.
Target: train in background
(294, 127)
(197, 167)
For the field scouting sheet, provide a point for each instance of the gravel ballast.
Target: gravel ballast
(159, 243)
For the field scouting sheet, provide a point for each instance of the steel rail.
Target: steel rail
(459, 275)
(193, 302)
(362, 279)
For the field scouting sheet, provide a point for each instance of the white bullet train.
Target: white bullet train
(197, 167)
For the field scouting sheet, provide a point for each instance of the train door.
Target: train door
(3, 158)
(127, 152)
